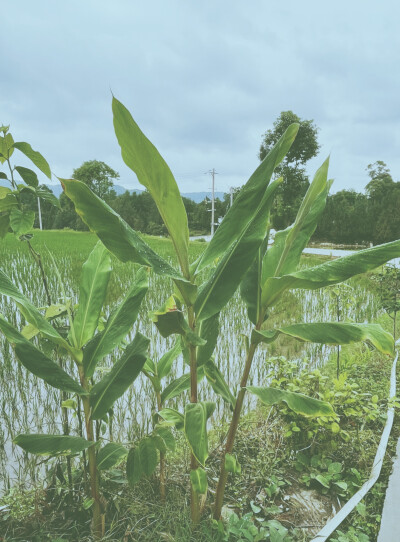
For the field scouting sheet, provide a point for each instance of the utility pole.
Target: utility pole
(212, 172)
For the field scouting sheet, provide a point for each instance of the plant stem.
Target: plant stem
(194, 501)
(162, 457)
(97, 508)
(219, 497)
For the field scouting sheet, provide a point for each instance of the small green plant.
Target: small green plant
(85, 348)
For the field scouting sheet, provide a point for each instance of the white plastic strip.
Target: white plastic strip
(334, 523)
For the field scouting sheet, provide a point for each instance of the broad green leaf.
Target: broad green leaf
(37, 363)
(92, 293)
(196, 415)
(217, 382)
(140, 155)
(198, 479)
(299, 403)
(118, 324)
(331, 272)
(331, 333)
(3, 175)
(166, 434)
(250, 287)
(111, 454)
(30, 312)
(46, 194)
(21, 222)
(28, 176)
(120, 239)
(159, 443)
(209, 331)
(117, 381)
(247, 201)
(52, 444)
(228, 274)
(148, 456)
(4, 191)
(169, 318)
(232, 465)
(284, 256)
(172, 417)
(35, 157)
(179, 385)
(8, 202)
(4, 225)
(6, 147)
(134, 470)
(165, 363)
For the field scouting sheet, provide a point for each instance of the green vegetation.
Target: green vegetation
(90, 347)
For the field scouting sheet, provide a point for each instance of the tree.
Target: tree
(292, 169)
(98, 176)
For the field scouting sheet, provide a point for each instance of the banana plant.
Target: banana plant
(13, 216)
(85, 346)
(237, 254)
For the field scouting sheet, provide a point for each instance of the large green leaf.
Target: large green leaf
(331, 333)
(250, 287)
(142, 157)
(117, 381)
(6, 147)
(111, 454)
(247, 201)
(46, 194)
(8, 201)
(31, 313)
(148, 456)
(4, 225)
(134, 470)
(34, 156)
(37, 363)
(208, 331)
(228, 274)
(28, 176)
(196, 415)
(331, 272)
(52, 444)
(172, 417)
(21, 222)
(92, 293)
(299, 403)
(165, 363)
(118, 324)
(218, 383)
(284, 256)
(166, 434)
(179, 385)
(120, 239)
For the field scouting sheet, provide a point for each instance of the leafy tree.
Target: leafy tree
(292, 169)
(98, 176)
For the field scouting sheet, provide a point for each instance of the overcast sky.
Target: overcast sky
(204, 80)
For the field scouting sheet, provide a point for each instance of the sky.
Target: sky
(204, 81)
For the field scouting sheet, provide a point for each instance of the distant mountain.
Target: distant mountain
(197, 197)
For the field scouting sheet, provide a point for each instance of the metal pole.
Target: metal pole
(40, 214)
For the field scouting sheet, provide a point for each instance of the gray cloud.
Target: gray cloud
(203, 80)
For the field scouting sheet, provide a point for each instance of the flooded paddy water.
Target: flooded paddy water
(27, 405)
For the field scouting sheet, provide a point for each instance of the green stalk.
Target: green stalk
(194, 500)
(98, 519)
(162, 457)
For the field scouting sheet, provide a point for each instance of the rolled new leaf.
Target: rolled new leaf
(299, 403)
(120, 239)
(331, 272)
(37, 363)
(111, 454)
(247, 201)
(208, 331)
(92, 293)
(117, 381)
(331, 333)
(217, 291)
(140, 155)
(52, 444)
(196, 416)
(118, 324)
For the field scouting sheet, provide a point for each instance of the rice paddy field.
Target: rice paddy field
(29, 405)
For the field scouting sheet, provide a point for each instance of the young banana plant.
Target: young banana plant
(85, 347)
(236, 253)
